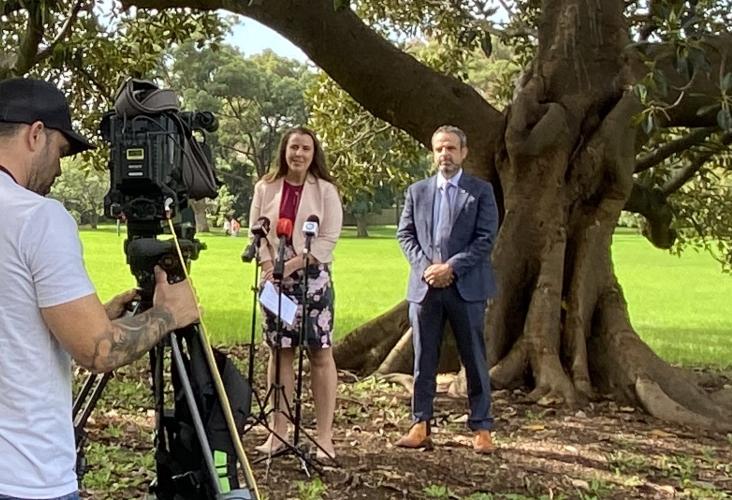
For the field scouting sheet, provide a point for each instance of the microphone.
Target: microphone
(259, 230)
(310, 230)
(284, 233)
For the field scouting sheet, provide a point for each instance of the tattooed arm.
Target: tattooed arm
(100, 345)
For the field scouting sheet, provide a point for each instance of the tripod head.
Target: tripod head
(143, 254)
(144, 251)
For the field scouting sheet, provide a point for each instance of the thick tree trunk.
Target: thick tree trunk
(362, 227)
(199, 211)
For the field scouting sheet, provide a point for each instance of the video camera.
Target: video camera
(156, 162)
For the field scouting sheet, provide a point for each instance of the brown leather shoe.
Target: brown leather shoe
(417, 437)
(482, 442)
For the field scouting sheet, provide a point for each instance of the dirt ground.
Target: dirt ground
(601, 451)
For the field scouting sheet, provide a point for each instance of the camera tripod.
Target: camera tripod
(196, 456)
(276, 390)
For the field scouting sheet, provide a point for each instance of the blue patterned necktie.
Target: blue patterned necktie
(444, 224)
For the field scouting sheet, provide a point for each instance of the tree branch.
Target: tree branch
(694, 138)
(651, 203)
(703, 88)
(65, 30)
(686, 173)
(31, 40)
(391, 84)
(101, 87)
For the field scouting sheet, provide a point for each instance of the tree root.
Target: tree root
(723, 397)
(401, 358)
(458, 388)
(628, 368)
(509, 372)
(406, 381)
(660, 405)
(366, 347)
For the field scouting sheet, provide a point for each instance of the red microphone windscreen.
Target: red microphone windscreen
(284, 228)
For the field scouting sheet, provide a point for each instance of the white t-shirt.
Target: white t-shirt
(40, 266)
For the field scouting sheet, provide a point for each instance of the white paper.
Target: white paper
(269, 298)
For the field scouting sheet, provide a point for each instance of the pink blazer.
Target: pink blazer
(319, 197)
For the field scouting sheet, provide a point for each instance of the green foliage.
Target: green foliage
(373, 162)
(702, 200)
(81, 190)
(480, 496)
(622, 462)
(116, 469)
(222, 207)
(494, 78)
(255, 98)
(438, 491)
(702, 203)
(596, 490)
(99, 49)
(456, 28)
(314, 489)
(680, 467)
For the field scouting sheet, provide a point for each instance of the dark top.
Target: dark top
(291, 195)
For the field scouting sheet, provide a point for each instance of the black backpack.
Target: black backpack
(181, 468)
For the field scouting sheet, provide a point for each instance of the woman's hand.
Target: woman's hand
(292, 265)
(267, 268)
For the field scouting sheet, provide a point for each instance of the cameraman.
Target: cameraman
(48, 307)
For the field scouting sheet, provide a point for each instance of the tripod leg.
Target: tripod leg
(195, 415)
(83, 393)
(82, 410)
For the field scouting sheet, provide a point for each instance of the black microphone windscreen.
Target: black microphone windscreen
(314, 218)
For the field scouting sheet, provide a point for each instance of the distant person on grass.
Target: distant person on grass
(48, 307)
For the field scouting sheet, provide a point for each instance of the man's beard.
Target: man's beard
(448, 168)
(38, 167)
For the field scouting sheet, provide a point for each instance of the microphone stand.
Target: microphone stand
(277, 389)
(261, 416)
(255, 288)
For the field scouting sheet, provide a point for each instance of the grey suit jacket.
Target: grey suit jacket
(471, 241)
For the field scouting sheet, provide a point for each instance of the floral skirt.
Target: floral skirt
(320, 298)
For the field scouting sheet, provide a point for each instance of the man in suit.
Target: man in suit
(446, 231)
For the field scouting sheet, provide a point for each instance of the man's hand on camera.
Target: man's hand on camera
(177, 299)
(117, 306)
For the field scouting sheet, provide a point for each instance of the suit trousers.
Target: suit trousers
(467, 319)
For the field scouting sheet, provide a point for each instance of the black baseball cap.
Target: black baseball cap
(23, 100)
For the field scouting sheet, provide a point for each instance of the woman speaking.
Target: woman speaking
(298, 188)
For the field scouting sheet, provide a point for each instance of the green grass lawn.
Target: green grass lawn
(680, 306)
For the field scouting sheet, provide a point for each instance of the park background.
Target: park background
(678, 296)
